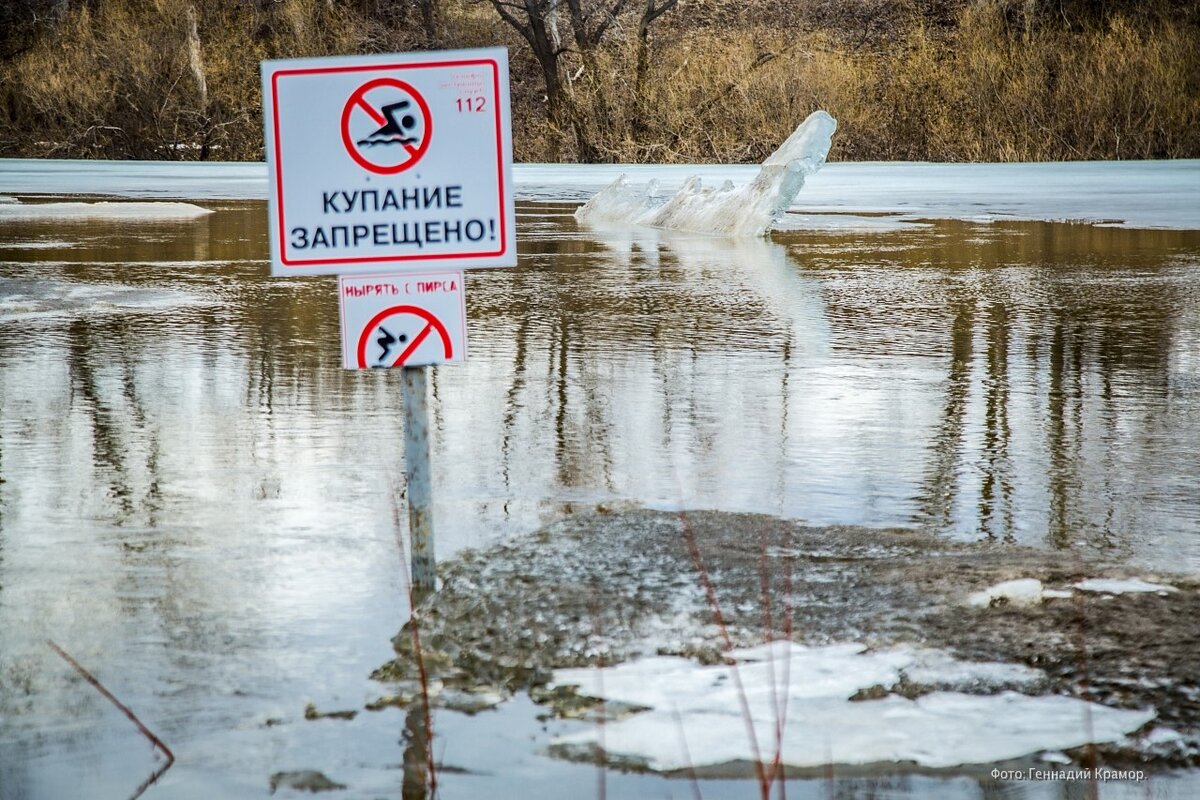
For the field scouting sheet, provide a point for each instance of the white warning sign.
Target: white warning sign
(390, 162)
(403, 320)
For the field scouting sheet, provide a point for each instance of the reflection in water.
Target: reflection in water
(417, 784)
(198, 503)
(947, 442)
(995, 506)
(1057, 376)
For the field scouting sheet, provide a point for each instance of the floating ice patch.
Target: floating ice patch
(29, 299)
(749, 210)
(38, 245)
(1161, 736)
(129, 212)
(1021, 592)
(1128, 586)
(698, 715)
(844, 223)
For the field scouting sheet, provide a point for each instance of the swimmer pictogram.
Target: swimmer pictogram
(386, 126)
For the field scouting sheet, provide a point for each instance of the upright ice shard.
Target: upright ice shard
(746, 211)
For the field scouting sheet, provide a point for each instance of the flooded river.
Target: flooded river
(205, 510)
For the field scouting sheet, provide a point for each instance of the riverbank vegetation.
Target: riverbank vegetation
(633, 80)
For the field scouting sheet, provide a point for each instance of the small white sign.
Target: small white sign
(389, 162)
(404, 320)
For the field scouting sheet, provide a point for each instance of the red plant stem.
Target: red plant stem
(769, 627)
(687, 755)
(124, 709)
(1084, 682)
(788, 630)
(146, 784)
(711, 593)
(601, 754)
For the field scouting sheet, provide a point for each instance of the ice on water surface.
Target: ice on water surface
(803, 695)
(748, 210)
(125, 212)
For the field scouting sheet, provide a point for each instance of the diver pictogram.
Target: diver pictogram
(420, 325)
(386, 126)
(385, 343)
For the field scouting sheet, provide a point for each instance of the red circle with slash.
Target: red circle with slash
(360, 105)
(432, 325)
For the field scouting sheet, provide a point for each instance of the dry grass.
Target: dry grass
(978, 92)
(159, 79)
(980, 82)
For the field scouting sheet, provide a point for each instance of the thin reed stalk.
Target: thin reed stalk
(601, 706)
(776, 768)
(1089, 749)
(693, 779)
(124, 709)
(710, 593)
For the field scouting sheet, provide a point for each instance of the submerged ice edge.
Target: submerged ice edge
(746, 211)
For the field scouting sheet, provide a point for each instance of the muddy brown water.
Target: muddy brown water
(202, 507)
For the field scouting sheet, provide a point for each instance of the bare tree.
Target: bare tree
(652, 10)
(538, 23)
(431, 20)
(591, 19)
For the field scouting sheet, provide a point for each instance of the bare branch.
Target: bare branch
(502, 9)
(654, 9)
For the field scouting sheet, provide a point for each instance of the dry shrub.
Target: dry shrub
(981, 90)
(1115, 91)
(709, 97)
(110, 81)
(1002, 80)
(162, 79)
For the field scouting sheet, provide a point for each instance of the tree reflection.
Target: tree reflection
(947, 444)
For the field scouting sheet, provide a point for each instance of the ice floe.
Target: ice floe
(1019, 592)
(1122, 586)
(698, 714)
(47, 244)
(25, 299)
(1031, 592)
(126, 212)
(844, 223)
(748, 210)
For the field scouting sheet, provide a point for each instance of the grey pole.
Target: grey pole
(415, 397)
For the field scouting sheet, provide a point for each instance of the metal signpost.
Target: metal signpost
(394, 172)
